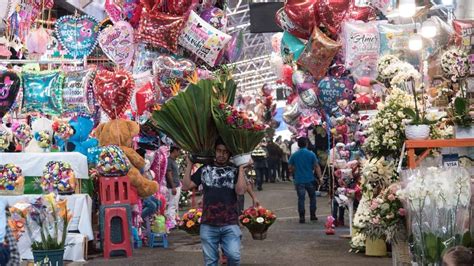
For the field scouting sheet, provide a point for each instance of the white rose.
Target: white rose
(260, 220)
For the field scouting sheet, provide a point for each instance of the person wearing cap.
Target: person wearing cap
(173, 184)
(259, 157)
(303, 164)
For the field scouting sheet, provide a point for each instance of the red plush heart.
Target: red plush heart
(113, 91)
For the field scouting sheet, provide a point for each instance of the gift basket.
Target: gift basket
(112, 162)
(257, 220)
(58, 177)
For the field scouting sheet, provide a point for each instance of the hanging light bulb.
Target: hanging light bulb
(415, 43)
(407, 8)
(429, 29)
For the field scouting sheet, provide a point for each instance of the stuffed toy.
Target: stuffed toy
(121, 132)
(81, 141)
(43, 134)
(364, 96)
(342, 129)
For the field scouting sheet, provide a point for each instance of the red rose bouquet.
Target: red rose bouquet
(240, 133)
(257, 220)
(191, 221)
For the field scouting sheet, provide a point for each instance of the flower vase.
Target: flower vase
(375, 247)
(48, 257)
(417, 132)
(464, 132)
(241, 159)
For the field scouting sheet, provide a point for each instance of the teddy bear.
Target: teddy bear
(120, 132)
(364, 96)
(80, 140)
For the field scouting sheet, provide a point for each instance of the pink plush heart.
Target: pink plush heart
(117, 43)
(167, 69)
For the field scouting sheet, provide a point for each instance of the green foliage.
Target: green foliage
(461, 112)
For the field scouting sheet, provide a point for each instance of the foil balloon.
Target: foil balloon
(303, 13)
(117, 43)
(203, 39)
(300, 77)
(361, 47)
(385, 6)
(145, 98)
(394, 38)
(215, 17)
(318, 54)
(332, 13)
(144, 58)
(331, 90)
(266, 90)
(287, 75)
(37, 42)
(122, 10)
(308, 95)
(160, 29)
(365, 13)
(464, 33)
(179, 7)
(75, 91)
(167, 69)
(113, 90)
(78, 35)
(288, 25)
(42, 92)
(291, 47)
(9, 87)
(235, 47)
(291, 113)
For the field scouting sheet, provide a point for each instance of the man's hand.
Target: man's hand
(256, 203)
(188, 161)
(174, 191)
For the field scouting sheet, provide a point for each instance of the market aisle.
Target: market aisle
(288, 242)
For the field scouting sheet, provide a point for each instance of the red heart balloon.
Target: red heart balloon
(365, 13)
(284, 22)
(332, 13)
(303, 13)
(179, 7)
(113, 90)
(145, 98)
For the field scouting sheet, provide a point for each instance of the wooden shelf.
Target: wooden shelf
(429, 144)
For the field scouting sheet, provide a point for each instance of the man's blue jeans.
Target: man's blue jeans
(229, 239)
(301, 190)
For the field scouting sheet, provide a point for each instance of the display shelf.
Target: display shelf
(429, 144)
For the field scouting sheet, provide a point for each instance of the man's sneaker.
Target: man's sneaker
(313, 218)
(302, 221)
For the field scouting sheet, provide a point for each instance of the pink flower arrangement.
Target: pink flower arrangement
(239, 119)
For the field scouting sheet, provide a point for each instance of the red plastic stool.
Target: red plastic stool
(115, 190)
(125, 244)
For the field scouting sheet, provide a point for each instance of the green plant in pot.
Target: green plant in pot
(419, 125)
(461, 117)
(47, 219)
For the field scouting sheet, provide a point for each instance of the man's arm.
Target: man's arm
(169, 180)
(255, 201)
(317, 169)
(241, 185)
(188, 184)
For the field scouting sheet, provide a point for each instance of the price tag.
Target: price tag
(450, 160)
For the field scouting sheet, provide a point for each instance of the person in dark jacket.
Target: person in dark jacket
(274, 158)
(259, 157)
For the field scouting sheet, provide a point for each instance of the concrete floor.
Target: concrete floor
(288, 242)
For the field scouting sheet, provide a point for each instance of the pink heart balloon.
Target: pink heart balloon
(117, 43)
(167, 68)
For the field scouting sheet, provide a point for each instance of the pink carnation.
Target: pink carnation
(376, 220)
(374, 205)
(391, 197)
(402, 212)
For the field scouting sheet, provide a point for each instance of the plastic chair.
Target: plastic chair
(115, 190)
(115, 222)
(157, 240)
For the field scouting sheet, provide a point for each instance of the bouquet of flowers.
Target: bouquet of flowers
(240, 133)
(360, 222)
(257, 220)
(63, 129)
(455, 64)
(187, 119)
(22, 132)
(58, 176)
(4, 140)
(386, 132)
(438, 203)
(11, 179)
(386, 67)
(386, 216)
(112, 161)
(44, 139)
(47, 219)
(191, 221)
(378, 173)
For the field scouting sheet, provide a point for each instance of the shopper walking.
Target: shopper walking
(274, 157)
(259, 157)
(174, 185)
(302, 164)
(285, 173)
(222, 183)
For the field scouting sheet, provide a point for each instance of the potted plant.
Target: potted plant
(462, 119)
(257, 220)
(240, 133)
(47, 219)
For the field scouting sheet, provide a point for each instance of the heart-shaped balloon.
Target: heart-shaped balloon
(9, 87)
(117, 43)
(308, 96)
(78, 34)
(145, 98)
(331, 90)
(122, 10)
(289, 25)
(167, 68)
(332, 13)
(235, 46)
(302, 13)
(113, 90)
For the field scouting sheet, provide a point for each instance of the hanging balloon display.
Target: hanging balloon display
(117, 43)
(78, 34)
(318, 54)
(9, 87)
(167, 69)
(113, 91)
(203, 39)
(75, 91)
(42, 92)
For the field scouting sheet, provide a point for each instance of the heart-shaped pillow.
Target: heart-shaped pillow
(117, 43)
(167, 68)
(78, 34)
(9, 87)
(113, 90)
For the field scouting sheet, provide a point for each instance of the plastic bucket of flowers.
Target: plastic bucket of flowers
(240, 133)
(191, 221)
(257, 220)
